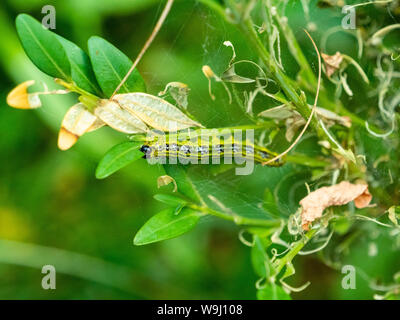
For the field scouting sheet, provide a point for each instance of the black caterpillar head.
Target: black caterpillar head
(146, 150)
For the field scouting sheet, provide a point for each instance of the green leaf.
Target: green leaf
(118, 157)
(269, 203)
(81, 68)
(43, 48)
(185, 185)
(272, 292)
(110, 66)
(166, 225)
(259, 258)
(170, 199)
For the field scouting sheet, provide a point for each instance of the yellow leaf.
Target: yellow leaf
(20, 98)
(76, 122)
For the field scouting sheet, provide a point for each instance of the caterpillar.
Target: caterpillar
(199, 151)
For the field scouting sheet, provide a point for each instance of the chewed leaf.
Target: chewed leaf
(118, 157)
(156, 112)
(166, 225)
(119, 119)
(231, 76)
(20, 98)
(179, 92)
(315, 203)
(96, 125)
(332, 63)
(76, 122)
(279, 112)
(166, 180)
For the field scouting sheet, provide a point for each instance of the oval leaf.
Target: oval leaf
(185, 185)
(119, 119)
(170, 199)
(81, 68)
(110, 66)
(43, 48)
(118, 157)
(76, 122)
(156, 112)
(166, 225)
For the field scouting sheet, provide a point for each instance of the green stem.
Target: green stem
(307, 161)
(88, 99)
(281, 263)
(239, 220)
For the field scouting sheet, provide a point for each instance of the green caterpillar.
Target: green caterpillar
(201, 151)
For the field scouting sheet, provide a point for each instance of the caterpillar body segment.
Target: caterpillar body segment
(199, 151)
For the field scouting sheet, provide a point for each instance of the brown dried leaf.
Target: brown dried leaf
(332, 63)
(317, 201)
(20, 98)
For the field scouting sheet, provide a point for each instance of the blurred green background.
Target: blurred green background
(54, 211)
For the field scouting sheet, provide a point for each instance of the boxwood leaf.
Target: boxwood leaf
(166, 225)
(43, 48)
(185, 185)
(110, 66)
(155, 112)
(259, 257)
(170, 199)
(81, 68)
(118, 157)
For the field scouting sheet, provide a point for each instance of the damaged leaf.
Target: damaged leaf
(317, 201)
(179, 92)
(19, 97)
(119, 119)
(279, 113)
(76, 122)
(394, 215)
(166, 180)
(231, 76)
(332, 63)
(155, 112)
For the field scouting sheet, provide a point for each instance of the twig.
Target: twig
(156, 29)
(313, 108)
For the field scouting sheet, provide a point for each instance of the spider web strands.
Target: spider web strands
(312, 110)
(156, 29)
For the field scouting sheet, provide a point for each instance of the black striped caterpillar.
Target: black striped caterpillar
(202, 151)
